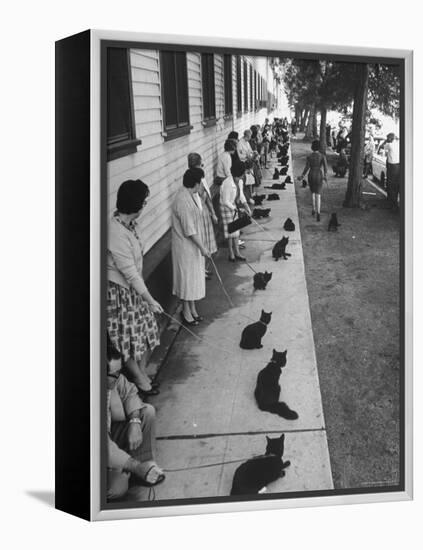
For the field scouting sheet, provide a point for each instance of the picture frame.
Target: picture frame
(89, 161)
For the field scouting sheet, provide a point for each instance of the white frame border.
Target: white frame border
(95, 170)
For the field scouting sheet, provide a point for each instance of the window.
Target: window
(121, 139)
(174, 94)
(238, 86)
(207, 74)
(227, 77)
(245, 86)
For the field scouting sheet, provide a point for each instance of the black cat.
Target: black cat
(304, 184)
(261, 280)
(283, 170)
(284, 150)
(276, 174)
(284, 160)
(333, 223)
(289, 225)
(273, 197)
(253, 475)
(258, 199)
(252, 334)
(268, 390)
(279, 249)
(280, 186)
(261, 213)
(288, 179)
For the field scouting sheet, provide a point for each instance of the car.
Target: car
(379, 162)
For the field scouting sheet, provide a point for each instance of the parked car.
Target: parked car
(379, 162)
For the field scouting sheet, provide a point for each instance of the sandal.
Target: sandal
(156, 474)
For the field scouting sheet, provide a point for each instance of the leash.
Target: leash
(230, 300)
(215, 464)
(199, 337)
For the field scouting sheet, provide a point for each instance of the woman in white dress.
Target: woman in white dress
(188, 249)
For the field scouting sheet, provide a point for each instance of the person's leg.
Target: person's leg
(313, 203)
(231, 248)
(193, 309)
(117, 484)
(137, 374)
(186, 311)
(236, 249)
(318, 206)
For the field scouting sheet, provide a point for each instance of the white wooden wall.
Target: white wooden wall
(161, 164)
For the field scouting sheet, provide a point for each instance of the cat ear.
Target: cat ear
(282, 437)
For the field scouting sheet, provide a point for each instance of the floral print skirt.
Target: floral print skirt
(131, 324)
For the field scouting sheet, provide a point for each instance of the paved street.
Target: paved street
(207, 418)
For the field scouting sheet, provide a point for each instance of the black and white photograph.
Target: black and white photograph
(253, 264)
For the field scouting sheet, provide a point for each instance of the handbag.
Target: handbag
(243, 220)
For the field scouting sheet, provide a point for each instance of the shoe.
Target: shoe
(198, 318)
(231, 259)
(313, 212)
(240, 258)
(148, 393)
(160, 477)
(242, 246)
(318, 217)
(240, 242)
(188, 323)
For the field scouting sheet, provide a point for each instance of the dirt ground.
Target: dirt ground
(353, 279)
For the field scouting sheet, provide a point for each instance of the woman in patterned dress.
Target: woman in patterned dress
(207, 211)
(131, 323)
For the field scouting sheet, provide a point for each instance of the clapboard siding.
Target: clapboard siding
(162, 164)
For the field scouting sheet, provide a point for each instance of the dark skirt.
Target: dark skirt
(315, 180)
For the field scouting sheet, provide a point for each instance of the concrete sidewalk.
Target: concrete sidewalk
(207, 418)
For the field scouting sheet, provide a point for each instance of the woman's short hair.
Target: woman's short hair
(192, 176)
(315, 146)
(229, 145)
(131, 196)
(194, 159)
(233, 135)
(238, 169)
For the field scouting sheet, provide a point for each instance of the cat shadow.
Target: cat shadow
(46, 497)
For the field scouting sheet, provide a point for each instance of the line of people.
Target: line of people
(200, 219)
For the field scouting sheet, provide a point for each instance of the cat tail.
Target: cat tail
(282, 409)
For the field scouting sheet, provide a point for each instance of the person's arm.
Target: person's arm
(189, 229)
(227, 164)
(225, 194)
(306, 168)
(325, 166)
(209, 205)
(198, 242)
(119, 248)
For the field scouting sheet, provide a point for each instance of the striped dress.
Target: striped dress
(208, 235)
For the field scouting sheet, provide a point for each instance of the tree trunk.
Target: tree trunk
(312, 121)
(297, 115)
(353, 194)
(314, 124)
(304, 116)
(323, 144)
